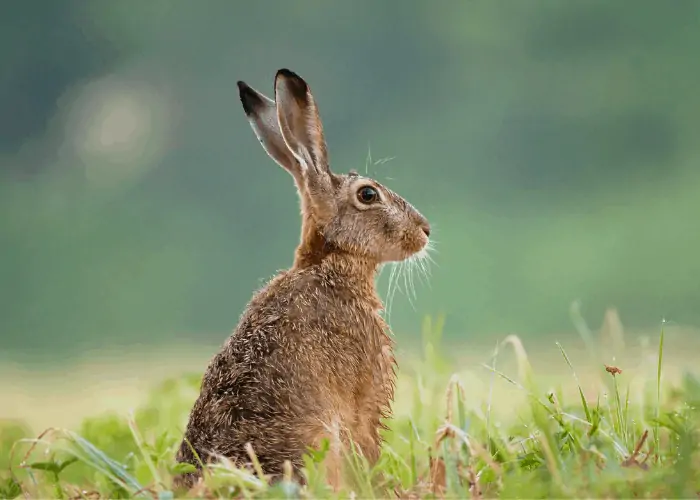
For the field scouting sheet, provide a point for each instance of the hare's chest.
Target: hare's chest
(382, 361)
(376, 389)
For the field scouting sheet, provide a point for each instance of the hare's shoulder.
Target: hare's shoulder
(308, 312)
(312, 293)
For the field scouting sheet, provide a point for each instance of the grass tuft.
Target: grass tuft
(587, 440)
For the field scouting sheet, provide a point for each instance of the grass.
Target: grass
(571, 426)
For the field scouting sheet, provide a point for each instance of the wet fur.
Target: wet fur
(311, 357)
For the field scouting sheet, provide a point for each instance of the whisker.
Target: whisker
(387, 305)
(397, 280)
(423, 271)
(368, 161)
(408, 281)
(382, 161)
(407, 275)
(412, 267)
(404, 265)
(417, 266)
(391, 291)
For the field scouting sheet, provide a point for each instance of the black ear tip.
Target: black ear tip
(249, 98)
(293, 82)
(287, 73)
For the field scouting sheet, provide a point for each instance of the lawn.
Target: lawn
(573, 418)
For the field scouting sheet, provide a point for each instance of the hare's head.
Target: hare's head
(345, 213)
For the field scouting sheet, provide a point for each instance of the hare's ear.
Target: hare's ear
(300, 122)
(262, 115)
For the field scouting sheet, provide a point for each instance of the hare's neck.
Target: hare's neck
(315, 251)
(352, 266)
(353, 274)
(313, 247)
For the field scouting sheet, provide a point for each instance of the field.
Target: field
(593, 415)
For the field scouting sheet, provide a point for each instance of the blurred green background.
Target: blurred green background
(553, 145)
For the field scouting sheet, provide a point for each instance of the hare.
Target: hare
(311, 357)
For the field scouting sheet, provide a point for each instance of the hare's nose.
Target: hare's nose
(426, 229)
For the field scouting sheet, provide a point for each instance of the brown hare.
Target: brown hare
(311, 357)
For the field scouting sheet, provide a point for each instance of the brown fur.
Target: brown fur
(310, 358)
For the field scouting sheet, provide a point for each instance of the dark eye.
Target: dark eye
(367, 195)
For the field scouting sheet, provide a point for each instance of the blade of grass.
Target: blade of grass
(626, 414)
(145, 452)
(578, 384)
(412, 452)
(492, 381)
(618, 410)
(657, 437)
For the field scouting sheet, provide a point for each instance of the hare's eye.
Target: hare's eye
(367, 195)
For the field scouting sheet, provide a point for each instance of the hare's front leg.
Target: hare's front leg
(331, 430)
(367, 440)
(367, 424)
(373, 403)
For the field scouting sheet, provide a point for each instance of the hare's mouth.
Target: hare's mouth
(409, 244)
(419, 243)
(425, 246)
(423, 253)
(408, 252)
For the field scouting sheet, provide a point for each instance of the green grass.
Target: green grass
(587, 433)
